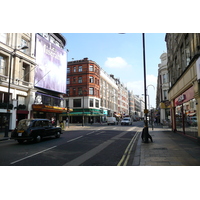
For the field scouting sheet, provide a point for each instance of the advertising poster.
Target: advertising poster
(51, 60)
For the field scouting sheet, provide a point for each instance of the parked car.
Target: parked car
(111, 120)
(34, 129)
(126, 121)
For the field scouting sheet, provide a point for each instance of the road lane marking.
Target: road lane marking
(32, 155)
(79, 160)
(128, 150)
(74, 139)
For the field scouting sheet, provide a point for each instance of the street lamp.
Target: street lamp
(146, 133)
(8, 100)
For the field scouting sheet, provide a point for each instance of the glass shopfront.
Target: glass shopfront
(186, 118)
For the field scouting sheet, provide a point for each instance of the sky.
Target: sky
(122, 56)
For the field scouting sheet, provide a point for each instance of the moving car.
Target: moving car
(111, 120)
(34, 129)
(126, 121)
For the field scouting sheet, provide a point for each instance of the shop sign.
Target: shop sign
(181, 98)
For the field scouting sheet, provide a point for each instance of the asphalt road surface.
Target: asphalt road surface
(83, 146)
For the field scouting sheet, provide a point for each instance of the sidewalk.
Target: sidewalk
(168, 149)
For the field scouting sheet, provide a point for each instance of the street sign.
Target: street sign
(146, 111)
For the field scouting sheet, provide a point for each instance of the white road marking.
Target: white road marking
(32, 155)
(75, 139)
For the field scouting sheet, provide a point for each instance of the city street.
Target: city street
(96, 145)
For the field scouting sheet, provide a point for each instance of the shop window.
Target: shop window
(76, 102)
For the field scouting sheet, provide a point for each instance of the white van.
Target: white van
(111, 120)
(126, 121)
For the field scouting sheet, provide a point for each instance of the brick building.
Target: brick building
(83, 91)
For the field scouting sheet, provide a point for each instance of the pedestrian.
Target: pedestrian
(91, 121)
(145, 135)
(66, 122)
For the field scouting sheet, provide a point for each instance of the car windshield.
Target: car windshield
(24, 124)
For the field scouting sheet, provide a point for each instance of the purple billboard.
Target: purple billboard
(51, 60)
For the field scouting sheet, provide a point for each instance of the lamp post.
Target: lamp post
(146, 133)
(8, 100)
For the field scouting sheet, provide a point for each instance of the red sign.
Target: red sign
(186, 96)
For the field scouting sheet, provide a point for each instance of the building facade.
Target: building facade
(108, 95)
(183, 51)
(83, 91)
(28, 62)
(16, 77)
(162, 101)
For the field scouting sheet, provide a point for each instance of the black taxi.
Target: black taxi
(34, 129)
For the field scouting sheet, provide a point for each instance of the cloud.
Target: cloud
(116, 62)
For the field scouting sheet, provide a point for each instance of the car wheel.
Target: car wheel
(57, 135)
(38, 138)
(20, 141)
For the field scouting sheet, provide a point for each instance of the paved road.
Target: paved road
(83, 146)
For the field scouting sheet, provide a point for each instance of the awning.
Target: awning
(85, 114)
(45, 108)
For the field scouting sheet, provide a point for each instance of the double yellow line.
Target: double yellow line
(126, 155)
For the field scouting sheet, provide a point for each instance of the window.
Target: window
(91, 103)
(74, 79)
(24, 43)
(20, 100)
(68, 70)
(68, 80)
(3, 37)
(25, 72)
(91, 79)
(74, 91)
(165, 94)
(46, 35)
(80, 68)
(79, 79)
(74, 69)
(91, 91)
(67, 103)
(80, 92)
(97, 103)
(164, 78)
(2, 65)
(77, 103)
(91, 68)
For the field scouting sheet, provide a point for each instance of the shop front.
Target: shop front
(88, 115)
(52, 113)
(186, 113)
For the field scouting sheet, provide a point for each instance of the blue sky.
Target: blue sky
(121, 55)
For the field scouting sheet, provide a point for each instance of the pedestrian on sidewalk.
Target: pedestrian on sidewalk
(145, 135)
